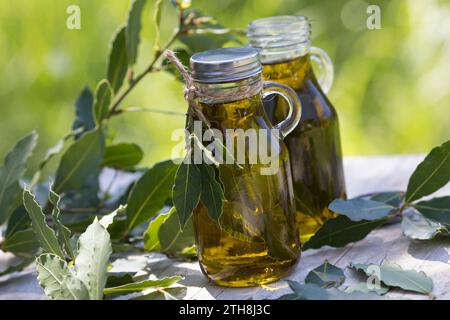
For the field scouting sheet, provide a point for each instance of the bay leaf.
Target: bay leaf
(103, 97)
(13, 169)
(393, 198)
(133, 30)
(341, 231)
(22, 243)
(186, 191)
(431, 174)
(63, 233)
(143, 285)
(149, 194)
(172, 238)
(314, 292)
(151, 238)
(57, 280)
(326, 276)
(51, 270)
(212, 193)
(80, 161)
(122, 156)
(118, 60)
(91, 263)
(418, 227)
(394, 276)
(84, 119)
(18, 221)
(437, 209)
(361, 209)
(44, 234)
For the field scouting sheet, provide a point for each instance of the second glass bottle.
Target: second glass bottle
(314, 146)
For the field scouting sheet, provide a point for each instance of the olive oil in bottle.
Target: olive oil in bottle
(314, 146)
(255, 240)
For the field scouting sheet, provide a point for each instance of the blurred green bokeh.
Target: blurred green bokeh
(391, 85)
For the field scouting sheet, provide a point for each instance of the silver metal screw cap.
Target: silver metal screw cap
(225, 65)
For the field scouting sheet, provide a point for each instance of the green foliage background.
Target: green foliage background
(391, 87)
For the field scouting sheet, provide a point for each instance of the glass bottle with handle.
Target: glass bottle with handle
(254, 241)
(314, 146)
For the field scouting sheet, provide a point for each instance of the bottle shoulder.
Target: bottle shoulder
(315, 103)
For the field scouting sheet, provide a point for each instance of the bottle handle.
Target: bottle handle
(295, 108)
(325, 66)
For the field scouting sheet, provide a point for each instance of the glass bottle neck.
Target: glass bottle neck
(292, 73)
(280, 38)
(217, 93)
